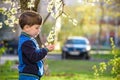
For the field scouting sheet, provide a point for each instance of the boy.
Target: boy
(30, 55)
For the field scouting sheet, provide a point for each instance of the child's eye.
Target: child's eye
(37, 27)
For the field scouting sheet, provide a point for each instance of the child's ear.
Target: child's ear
(26, 27)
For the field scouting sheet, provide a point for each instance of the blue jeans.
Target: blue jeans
(26, 77)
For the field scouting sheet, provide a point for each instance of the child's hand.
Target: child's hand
(50, 47)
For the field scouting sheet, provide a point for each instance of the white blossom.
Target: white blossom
(1, 24)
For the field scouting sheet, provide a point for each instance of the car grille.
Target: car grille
(76, 49)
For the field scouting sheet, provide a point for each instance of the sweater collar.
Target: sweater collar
(24, 33)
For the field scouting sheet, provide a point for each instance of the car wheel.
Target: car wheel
(64, 56)
(86, 56)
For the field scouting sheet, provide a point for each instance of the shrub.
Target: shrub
(115, 63)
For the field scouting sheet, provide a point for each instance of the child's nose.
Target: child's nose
(39, 30)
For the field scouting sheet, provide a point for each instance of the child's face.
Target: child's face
(34, 30)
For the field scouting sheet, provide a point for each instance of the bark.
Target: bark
(23, 5)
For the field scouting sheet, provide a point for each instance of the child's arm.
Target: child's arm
(30, 51)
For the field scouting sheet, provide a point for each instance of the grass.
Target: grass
(75, 77)
(103, 56)
(70, 66)
(75, 68)
(65, 70)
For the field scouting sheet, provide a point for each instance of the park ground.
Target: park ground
(70, 69)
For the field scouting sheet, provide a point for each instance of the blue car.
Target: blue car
(76, 46)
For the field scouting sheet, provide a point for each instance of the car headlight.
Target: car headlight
(88, 48)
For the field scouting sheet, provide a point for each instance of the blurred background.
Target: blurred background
(96, 20)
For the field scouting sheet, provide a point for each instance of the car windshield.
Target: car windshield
(76, 41)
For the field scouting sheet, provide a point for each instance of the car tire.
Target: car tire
(86, 56)
(64, 56)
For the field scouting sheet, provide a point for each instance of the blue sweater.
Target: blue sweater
(30, 56)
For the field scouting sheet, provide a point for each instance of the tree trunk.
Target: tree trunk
(23, 5)
(100, 26)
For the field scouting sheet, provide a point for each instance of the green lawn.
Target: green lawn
(103, 56)
(75, 77)
(74, 70)
(64, 70)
